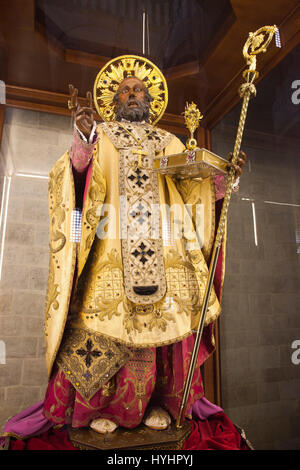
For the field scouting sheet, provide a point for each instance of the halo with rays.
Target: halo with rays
(115, 71)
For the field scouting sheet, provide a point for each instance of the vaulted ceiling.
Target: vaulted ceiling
(47, 44)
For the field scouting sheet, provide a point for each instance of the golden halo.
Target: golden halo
(115, 71)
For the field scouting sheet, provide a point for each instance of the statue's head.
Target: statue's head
(132, 100)
(132, 88)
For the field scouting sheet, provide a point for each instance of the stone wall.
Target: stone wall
(31, 144)
(261, 302)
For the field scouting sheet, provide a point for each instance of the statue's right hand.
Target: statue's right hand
(84, 116)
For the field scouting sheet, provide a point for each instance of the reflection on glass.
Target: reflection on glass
(3, 216)
(254, 223)
(30, 175)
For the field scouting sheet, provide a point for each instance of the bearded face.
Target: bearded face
(132, 101)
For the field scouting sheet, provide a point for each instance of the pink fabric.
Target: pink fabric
(30, 422)
(126, 405)
(173, 364)
(152, 377)
(203, 408)
(215, 433)
(81, 153)
(220, 185)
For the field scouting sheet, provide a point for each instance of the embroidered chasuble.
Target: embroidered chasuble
(136, 279)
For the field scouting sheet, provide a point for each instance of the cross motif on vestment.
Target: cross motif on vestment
(89, 352)
(140, 152)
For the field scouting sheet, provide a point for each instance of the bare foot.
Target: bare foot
(103, 425)
(157, 418)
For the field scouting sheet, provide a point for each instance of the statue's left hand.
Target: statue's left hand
(238, 167)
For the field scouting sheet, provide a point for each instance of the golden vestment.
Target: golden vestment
(112, 269)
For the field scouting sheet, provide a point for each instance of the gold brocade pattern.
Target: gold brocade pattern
(91, 213)
(109, 388)
(100, 295)
(140, 367)
(197, 192)
(89, 360)
(100, 303)
(61, 203)
(57, 211)
(63, 252)
(52, 293)
(142, 250)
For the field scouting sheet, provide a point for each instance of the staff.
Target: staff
(256, 43)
